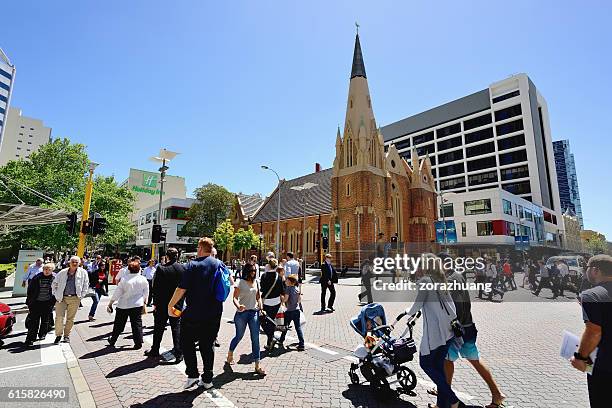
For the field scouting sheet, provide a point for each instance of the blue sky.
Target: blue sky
(233, 85)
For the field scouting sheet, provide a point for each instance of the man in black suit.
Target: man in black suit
(166, 280)
(329, 276)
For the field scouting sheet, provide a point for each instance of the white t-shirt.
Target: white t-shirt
(149, 272)
(563, 269)
(131, 291)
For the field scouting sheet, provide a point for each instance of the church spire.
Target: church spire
(358, 65)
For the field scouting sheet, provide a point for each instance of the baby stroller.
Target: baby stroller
(385, 356)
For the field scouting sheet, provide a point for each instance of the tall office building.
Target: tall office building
(567, 179)
(496, 138)
(7, 78)
(22, 136)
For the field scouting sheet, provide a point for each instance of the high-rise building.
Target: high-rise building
(567, 179)
(22, 136)
(498, 137)
(7, 78)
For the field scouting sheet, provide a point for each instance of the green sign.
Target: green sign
(337, 231)
(149, 180)
(325, 230)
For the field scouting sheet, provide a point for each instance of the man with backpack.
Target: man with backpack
(201, 319)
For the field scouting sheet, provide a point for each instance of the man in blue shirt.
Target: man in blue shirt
(201, 319)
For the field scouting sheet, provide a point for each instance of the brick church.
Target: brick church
(368, 195)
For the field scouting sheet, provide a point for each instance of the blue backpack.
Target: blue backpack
(221, 282)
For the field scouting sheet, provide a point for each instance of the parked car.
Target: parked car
(7, 320)
(575, 263)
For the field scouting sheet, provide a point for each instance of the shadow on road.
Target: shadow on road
(175, 399)
(362, 396)
(133, 368)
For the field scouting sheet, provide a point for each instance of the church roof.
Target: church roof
(250, 203)
(358, 64)
(292, 201)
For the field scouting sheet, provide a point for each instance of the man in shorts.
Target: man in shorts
(469, 350)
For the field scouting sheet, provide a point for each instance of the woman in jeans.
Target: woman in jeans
(438, 311)
(272, 288)
(95, 284)
(130, 296)
(247, 299)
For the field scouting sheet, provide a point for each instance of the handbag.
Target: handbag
(279, 319)
(303, 320)
(91, 292)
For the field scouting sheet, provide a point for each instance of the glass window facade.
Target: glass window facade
(510, 142)
(508, 112)
(480, 149)
(452, 183)
(514, 173)
(450, 143)
(523, 187)
(509, 127)
(6, 74)
(479, 135)
(451, 170)
(446, 210)
(513, 157)
(477, 122)
(424, 138)
(481, 164)
(475, 207)
(507, 207)
(484, 228)
(449, 130)
(482, 178)
(506, 96)
(403, 144)
(450, 156)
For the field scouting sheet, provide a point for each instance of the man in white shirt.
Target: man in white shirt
(32, 271)
(149, 273)
(69, 287)
(130, 296)
(563, 276)
(292, 267)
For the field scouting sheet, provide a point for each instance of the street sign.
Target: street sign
(24, 260)
(521, 242)
(451, 232)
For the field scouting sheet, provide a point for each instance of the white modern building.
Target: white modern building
(499, 137)
(172, 221)
(494, 216)
(7, 79)
(22, 136)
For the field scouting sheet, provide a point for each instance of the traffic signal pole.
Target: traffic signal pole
(85, 215)
(162, 171)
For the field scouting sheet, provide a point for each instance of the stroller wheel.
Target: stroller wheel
(407, 379)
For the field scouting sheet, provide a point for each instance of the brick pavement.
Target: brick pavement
(519, 341)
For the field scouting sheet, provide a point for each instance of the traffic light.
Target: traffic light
(325, 242)
(162, 236)
(86, 226)
(394, 238)
(156, 234)
(98, 225)
(71, 224)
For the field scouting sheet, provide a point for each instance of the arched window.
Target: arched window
(348, 229)
(348, 189)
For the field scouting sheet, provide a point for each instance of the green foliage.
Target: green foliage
(596, 245)
(245, 239)
(224, 236)
(213, 205)
(59, 170)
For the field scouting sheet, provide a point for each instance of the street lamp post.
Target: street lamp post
(86, 205)
(164, 157)
(278, 211)
(442, 201)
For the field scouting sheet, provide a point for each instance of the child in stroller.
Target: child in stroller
(383, 355)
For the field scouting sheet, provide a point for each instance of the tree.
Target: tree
(245, 239)
(59, 170)
(213, 204)
(224, 237)
(596, 245)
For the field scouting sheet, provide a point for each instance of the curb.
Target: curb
(84, 395)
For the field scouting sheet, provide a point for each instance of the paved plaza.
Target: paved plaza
(519, 341)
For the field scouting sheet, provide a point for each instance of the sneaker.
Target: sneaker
(137, 346)
(192, 382)
(300, 348)
(42, 337)
(66, 339)
(92, 319)
(57, 339)
(110, 342)
(28, 343)
(217, 345)
(331, 309)
(206, 386)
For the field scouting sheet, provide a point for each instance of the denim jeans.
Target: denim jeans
(433, 365)
(241, 320)
(95, 299)
(293, 316)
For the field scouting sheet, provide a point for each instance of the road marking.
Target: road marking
(213, 394)
(48, 356)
